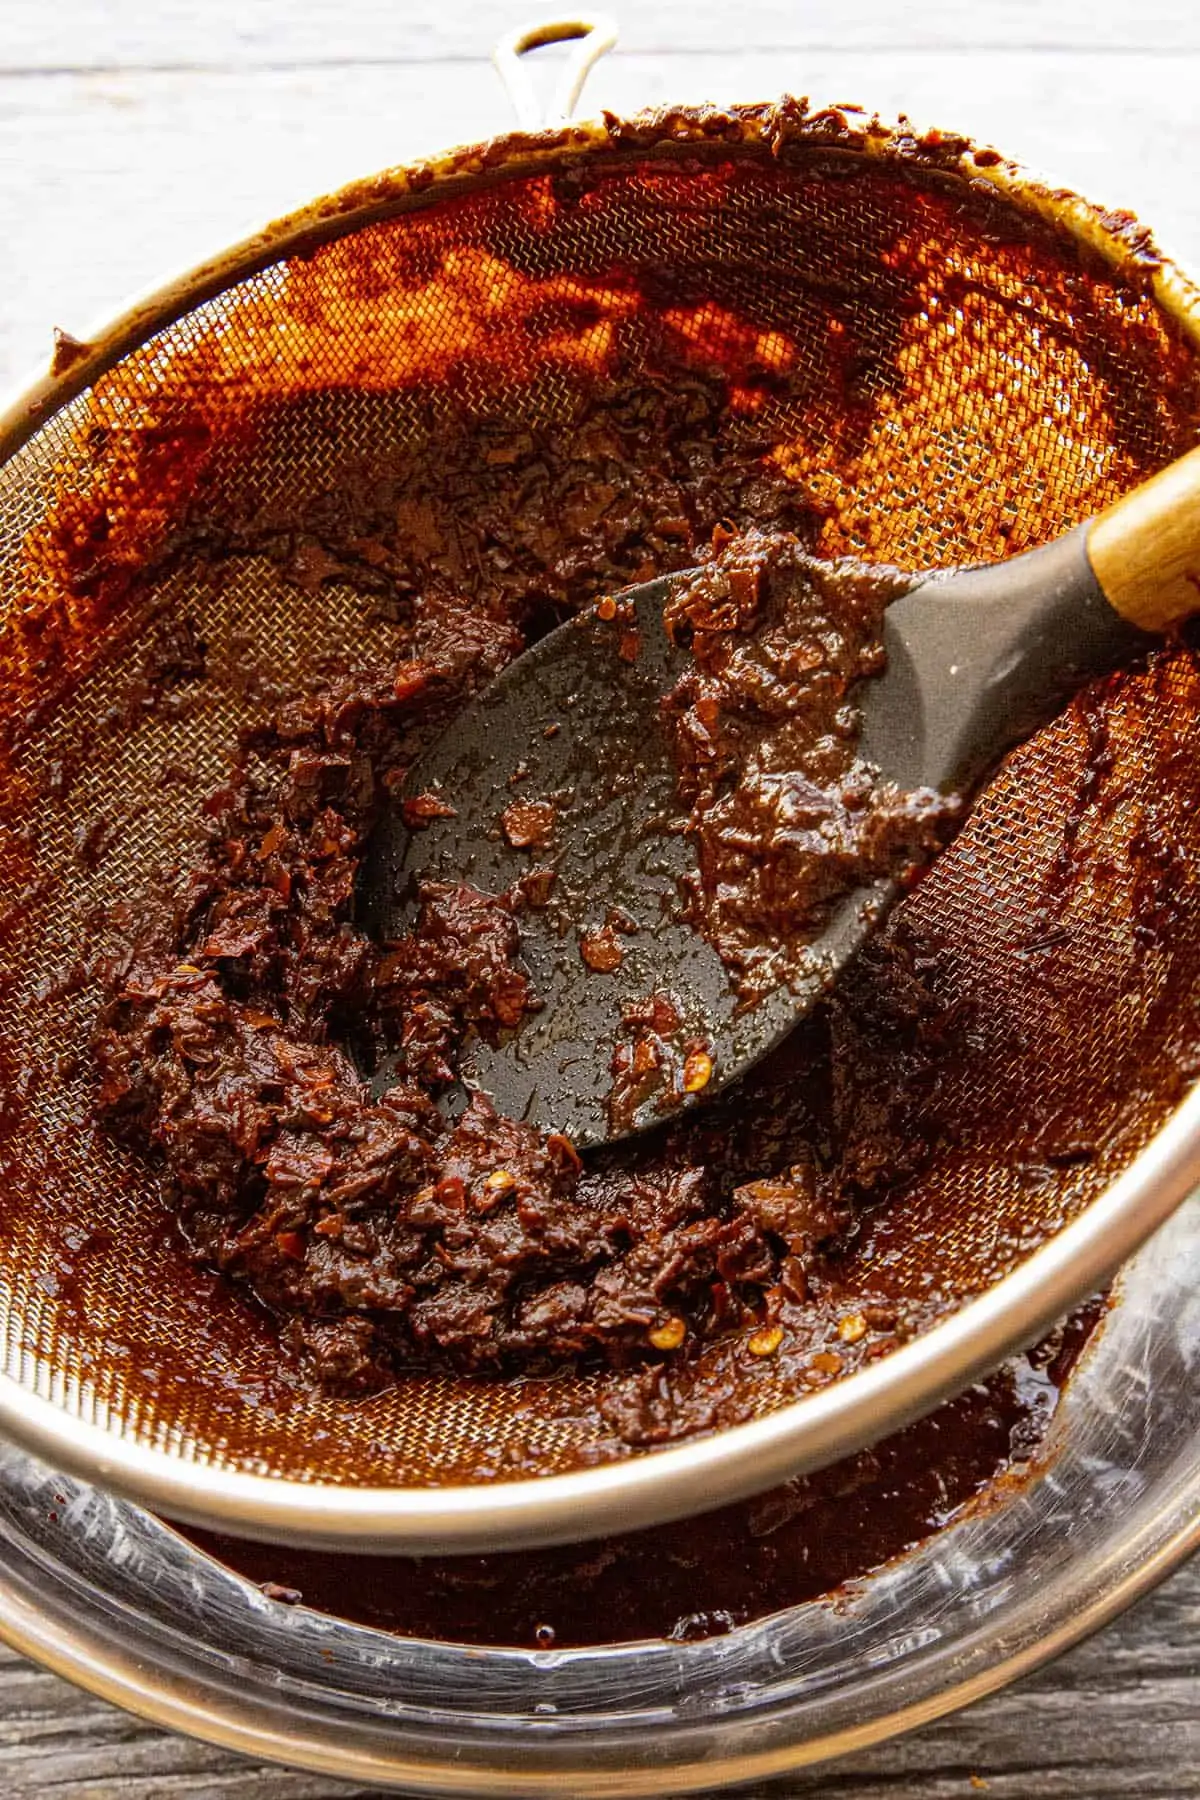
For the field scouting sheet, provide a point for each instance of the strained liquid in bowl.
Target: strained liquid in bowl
(815, 1536)
(262, 560)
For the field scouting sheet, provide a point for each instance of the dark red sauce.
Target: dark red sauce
(785, 816)
(705, 1575)
(245, 1002)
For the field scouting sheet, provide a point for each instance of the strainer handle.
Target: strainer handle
(1145, 548)
(596, 33)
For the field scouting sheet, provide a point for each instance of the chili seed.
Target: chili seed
(766, 1340)
(670, 1335)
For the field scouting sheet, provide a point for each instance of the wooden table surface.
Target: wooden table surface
(136, 135)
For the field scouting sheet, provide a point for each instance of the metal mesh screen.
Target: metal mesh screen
(956, 383)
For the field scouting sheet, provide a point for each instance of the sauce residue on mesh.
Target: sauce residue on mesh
(382, 1238)
(935, 1112)
(466, 296)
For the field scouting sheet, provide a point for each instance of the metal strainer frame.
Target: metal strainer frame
(664, 1484)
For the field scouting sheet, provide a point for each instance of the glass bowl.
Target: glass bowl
(115, 1600)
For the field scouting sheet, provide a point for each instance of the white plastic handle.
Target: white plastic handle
(596, 33)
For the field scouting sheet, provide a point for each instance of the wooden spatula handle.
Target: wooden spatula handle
(1145, 548)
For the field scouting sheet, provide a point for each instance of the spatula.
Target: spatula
(978, 658)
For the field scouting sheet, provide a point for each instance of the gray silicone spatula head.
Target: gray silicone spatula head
(564, 765)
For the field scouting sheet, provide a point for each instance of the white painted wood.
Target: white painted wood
(80, 34)
(135, 137)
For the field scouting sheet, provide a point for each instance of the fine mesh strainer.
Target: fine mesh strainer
(975, 365)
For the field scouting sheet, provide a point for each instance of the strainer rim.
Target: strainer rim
(806, 1433)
